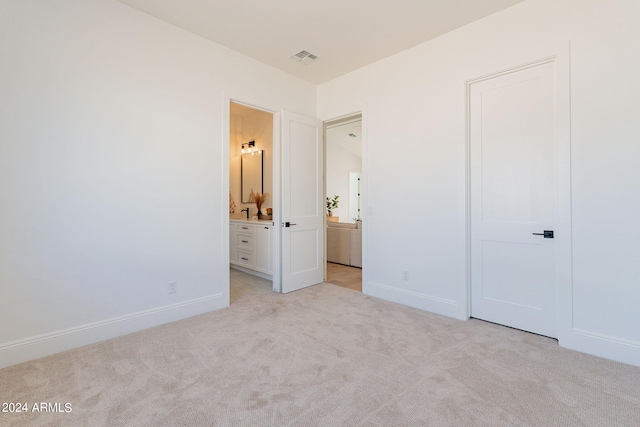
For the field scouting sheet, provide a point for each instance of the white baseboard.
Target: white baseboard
(426, 302)
(596, 344)
(602, 345)
(23, 350)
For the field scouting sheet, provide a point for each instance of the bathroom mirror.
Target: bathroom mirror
(251, 175)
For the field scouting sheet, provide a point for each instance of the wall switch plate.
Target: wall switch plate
(405, 275)
(173, 287)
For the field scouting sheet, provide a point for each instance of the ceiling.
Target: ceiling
(344, 34)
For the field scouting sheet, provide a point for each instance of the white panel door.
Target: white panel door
(302, 202)
(513, 166)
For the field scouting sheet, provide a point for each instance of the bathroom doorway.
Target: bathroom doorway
(252, 234)
(343, 190)
(284, 242)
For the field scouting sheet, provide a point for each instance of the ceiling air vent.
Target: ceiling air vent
(304, 57)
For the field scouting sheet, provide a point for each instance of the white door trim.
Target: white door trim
(564, 296)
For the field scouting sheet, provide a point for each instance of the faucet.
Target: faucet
(247, 210)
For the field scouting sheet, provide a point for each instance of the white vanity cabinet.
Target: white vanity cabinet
(251, 244)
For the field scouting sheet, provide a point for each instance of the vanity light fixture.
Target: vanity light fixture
(250, 147)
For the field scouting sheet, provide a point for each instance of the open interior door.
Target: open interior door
(302, 228)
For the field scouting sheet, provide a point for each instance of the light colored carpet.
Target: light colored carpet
(324, 356)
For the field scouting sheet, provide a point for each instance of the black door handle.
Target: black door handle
(289, 224)
(548, 234)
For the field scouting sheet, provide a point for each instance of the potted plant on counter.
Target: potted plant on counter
(332, 203)
(259, 200)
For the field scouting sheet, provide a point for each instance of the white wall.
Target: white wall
(113, 171)
(340, 162)
(254, 127)
(414, 114)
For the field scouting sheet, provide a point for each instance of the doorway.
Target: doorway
(252, 234)
(519, 230)
(285, 244)
(343, 184)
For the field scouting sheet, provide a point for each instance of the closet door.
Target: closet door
(514, 199)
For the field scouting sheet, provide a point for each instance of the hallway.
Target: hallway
(344, 276)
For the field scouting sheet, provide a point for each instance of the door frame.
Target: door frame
(560, 57)
(276, 111)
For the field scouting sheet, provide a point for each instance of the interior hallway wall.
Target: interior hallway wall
(340, 162)
(417, 189)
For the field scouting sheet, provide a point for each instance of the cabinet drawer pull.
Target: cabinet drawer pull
(245, 259)
(245, 241)
(245, 228)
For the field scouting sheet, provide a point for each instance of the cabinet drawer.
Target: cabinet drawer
(245, 229)
(246, 242)
(245, 258)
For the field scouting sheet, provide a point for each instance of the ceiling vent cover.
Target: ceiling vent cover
(304, 57)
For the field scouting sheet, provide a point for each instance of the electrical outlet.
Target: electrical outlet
(405, 275)
(173, 287)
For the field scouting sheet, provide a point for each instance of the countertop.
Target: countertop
(259, 221)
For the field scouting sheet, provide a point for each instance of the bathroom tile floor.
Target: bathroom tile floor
(245, 285)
